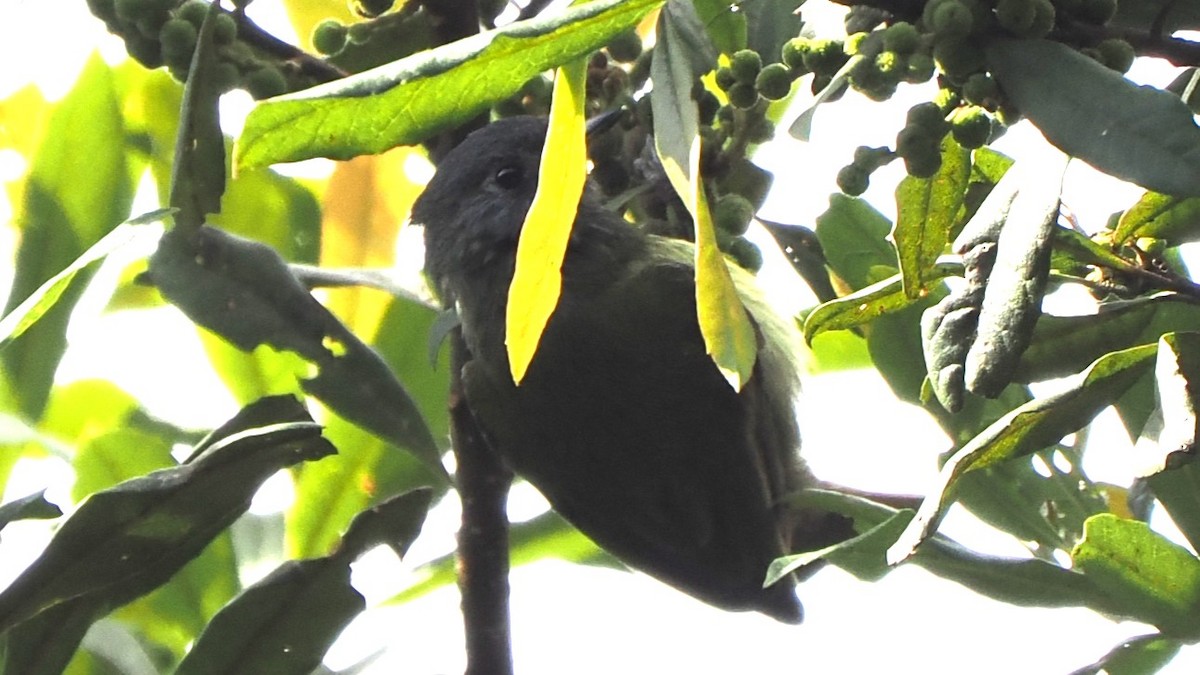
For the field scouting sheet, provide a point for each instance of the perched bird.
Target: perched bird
(622, 421)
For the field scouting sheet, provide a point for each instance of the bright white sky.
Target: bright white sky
(580, 620)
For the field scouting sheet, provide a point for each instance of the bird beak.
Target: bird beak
(603, 122)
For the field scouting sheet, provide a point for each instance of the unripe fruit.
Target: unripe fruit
(733, 214)
(265, 83)
(224, 29)
(1016, 16)
(625, 47)
(853, 180)
(824, 57)
(927, 116)
(971, 126)
(760, 130)
(178, 38)
(745, 65)
(329, 36)
(1043, 21)
(919, 68)
(193, 11)
(901, 37)
(724, 78)
(793, 54)
(743, 95)
(224, 76)
(946, 100)
(958, 59)
(1116, 54)
(747, 255)
(951, 20)
(981, 89)
(774, 82)
(923, 162)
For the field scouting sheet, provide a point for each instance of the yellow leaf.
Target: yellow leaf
(537, 280)
(728, 334)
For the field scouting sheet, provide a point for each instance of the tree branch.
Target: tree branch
(483, 484)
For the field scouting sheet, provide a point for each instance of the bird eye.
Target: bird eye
(509, 177)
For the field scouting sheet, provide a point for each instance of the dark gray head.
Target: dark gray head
(474, 206)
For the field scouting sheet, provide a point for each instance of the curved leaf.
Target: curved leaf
(926, 212)
(1139, 134)
(404, 102)
(1160, 216)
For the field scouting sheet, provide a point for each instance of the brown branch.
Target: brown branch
(310, 66)
(483, 483)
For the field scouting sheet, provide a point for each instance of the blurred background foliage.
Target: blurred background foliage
(166, 565)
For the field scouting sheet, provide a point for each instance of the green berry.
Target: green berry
(625, 47)
(927, 116)
(774, 82)
(725, 79)
(1015, 16)
(981, 89)
(224, 29)
(946, 100)
(853, 180)
(971, 126)
(224, 76)
(1097, 12)
(901, 37)
(793, 54)
(1043, 21)
(745, 65)
(918, 68)
(733, 214)
(725, 115)
(130, 10)
(891, 64)
(854, 43)
(958, 59)
(824, 57)
(951, 20)
(145, 51)
(265, 83)
(329, 36)
(1116, 54)
(743, 95)
(923, 163)
(178, 38)
(193, 11)
(747, 255)
(912, 139)
(868, 159)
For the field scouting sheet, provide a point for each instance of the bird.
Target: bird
(622, 421)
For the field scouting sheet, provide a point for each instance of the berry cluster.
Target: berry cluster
(946, 41)
(164, 32)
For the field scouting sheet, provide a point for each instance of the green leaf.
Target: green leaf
(1152, 579)
(1136, 656)
(542, 245)
(728, 334)
(854, 237)
(1175, 219)
(35, 306)
(726, 28)
(286, 622)
(29, 507)
(244, 291)
(927, 210)
(367, 468)
(1025, 582)
(770, 24)
(198, 172)
(1178, 490)
(406, 101)
(1031, 427)
(277, 211)
(1012, 298)
(1171, 439)
(863, 306)
(1139, 134)
(68, 206)
(125, 541)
